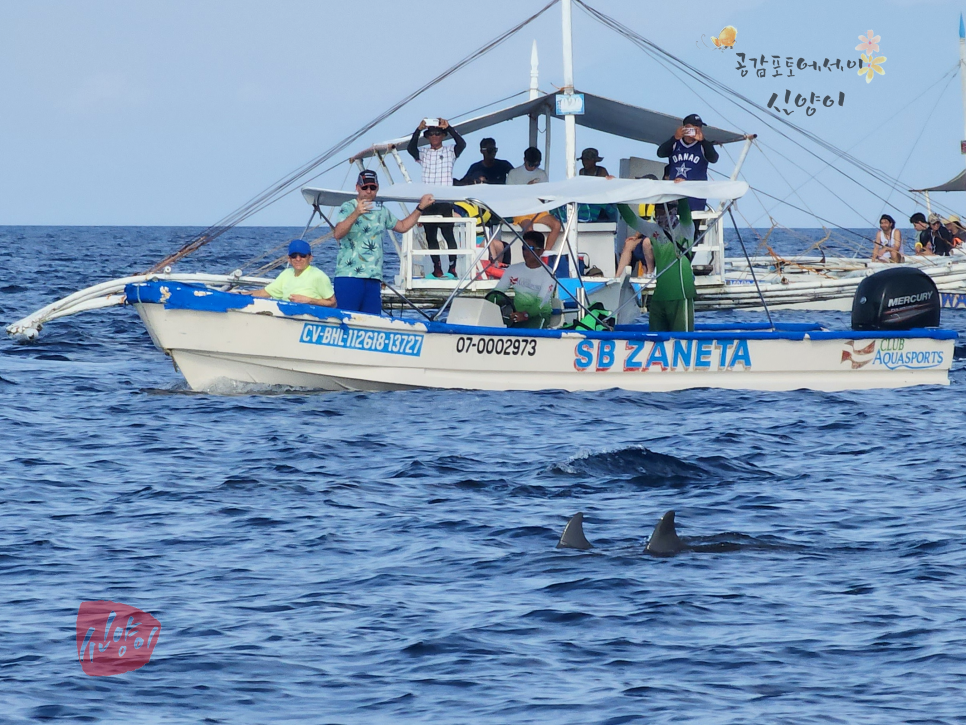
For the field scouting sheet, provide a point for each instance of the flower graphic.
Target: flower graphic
(869, 44)
(872, 66)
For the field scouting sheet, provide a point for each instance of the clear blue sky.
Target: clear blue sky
(177, 112)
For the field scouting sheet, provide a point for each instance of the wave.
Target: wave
(643, 466)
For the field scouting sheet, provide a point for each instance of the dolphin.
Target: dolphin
(664, 539)
(573, 534)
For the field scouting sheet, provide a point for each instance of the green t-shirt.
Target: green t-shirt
(360, 251)
(675, 278)
(313, 282)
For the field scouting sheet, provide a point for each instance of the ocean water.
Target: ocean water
(390, 557)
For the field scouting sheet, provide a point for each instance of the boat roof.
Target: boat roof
(957, 183)
(600, 114)
(515, 200)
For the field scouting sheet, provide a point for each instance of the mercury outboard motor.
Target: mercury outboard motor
(900, 298)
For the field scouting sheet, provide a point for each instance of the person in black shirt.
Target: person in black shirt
(689, 153)
(934, 238)
(588, 161)
(494, 170)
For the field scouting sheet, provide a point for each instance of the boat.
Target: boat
(218, 337)
(223, 341)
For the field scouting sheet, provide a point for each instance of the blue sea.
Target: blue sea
(390, 557)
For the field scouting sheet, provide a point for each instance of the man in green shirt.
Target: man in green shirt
(665, 246)
(300, 282)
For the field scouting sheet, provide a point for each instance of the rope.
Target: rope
(730, 95)
(751, 269)
(287, 183)
(923, 129)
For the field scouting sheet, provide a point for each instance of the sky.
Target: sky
(178, 112)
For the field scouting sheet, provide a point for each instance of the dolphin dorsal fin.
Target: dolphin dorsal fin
(664, 539)
(573, 534)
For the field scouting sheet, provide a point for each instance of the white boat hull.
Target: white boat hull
(269, 343)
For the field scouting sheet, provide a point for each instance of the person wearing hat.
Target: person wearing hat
(956, 230)
(934, 237)
(593, 212)
(300, 281)
(436, 160)
(360, 228)
(689, 153)
(491, 168)
(589, 158)
(888, 241)
(437, 163)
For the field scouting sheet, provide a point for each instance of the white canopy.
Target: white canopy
(600, 114)
(509, 201)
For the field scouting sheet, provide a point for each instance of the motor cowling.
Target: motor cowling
(901, 298)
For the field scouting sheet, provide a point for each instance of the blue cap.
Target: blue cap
(299, 246)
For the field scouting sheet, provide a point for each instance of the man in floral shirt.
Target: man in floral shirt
(361, 225)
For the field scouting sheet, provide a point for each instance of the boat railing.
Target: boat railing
(596, 245)
(414, 267)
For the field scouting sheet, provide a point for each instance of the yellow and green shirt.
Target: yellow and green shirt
(313, 282)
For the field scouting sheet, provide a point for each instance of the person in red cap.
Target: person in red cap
(689, 153)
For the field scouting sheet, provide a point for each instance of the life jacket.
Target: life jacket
(597, 318)
(473, 211)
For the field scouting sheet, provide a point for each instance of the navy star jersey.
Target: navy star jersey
(688, 162)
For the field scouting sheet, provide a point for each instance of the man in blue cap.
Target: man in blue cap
(360, 228)
(300, 282)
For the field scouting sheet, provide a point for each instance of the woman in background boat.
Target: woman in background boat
(956, 229)
(888, 241)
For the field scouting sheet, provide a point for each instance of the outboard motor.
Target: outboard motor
(900, 298)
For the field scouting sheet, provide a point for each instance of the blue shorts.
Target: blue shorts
(358, 295)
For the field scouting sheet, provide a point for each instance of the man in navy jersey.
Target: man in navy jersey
(689, 153)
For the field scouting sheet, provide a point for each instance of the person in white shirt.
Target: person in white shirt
(530, 172)
(437, 163)
(532, 284)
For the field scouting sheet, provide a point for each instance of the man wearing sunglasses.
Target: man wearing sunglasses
(437, 163)
(360, 228)
(300, 282)
(436, 160)
(532, 284)
(494, 170)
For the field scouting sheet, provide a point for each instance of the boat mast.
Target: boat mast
(534, 91)
(962, 75)
(534, 73)
(570, 120)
